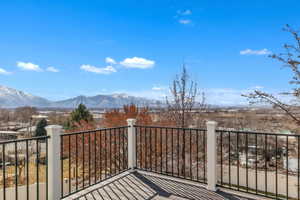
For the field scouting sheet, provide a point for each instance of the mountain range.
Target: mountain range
(11, 98)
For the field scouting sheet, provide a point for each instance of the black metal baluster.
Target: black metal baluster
(178, 152)
(276, 166)
(172, 150)
(76, 161)
(191, 161)
(110, 154)
(221, 147)
(146, 148)
(83, 160)
(298, 174)
(16, 170)
(142, 161)
(247, 173)
(136, 147)
(145, 144)
(266, 168)
(95, 156)
(115, 151)
(256, 164)
(197, 154)
(150, 149)
(166, 133)
(155, 142)
(69, 163)
(204, 150)
(3, 171)
(37, 169)
(126, 134)
(89, 141)
(140, 147)
(147, 158)
(100, 154)
(287, 167)
(27, 170)
(105, 144)
(62, 165)
(124, 157)
(119, 146)
(183, 143)
(161, 152)
(229, 146)
(238, 161)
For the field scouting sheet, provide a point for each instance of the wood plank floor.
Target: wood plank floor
(141, 186)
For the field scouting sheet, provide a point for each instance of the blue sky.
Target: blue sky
(60, 49)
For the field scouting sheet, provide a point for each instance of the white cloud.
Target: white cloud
(105, 70)
(52, 69)
(29, 66)
(257, 87)
(255, 52)
(110, 60)
(158, 88)
(4, 72)
(137, 62)
(184, 12)
(184, 21)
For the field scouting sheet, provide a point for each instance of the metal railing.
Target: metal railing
(24, 168)
(265, 164)
(89, 157)
(177, 152)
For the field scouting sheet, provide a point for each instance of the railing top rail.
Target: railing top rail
(92, 130)
(169, 127)
(258, 133)
(23, 140)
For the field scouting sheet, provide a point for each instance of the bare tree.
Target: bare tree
(291, 59)
(4, 117)
(24, 114)
(183, 99)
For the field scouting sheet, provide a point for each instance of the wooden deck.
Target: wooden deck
(140, 186)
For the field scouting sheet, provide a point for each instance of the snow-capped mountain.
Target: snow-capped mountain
(105, 101)
(10, 97)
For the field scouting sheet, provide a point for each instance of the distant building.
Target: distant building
(39, 116)
(8, 135)
(28, 131)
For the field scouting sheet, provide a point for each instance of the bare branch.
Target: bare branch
(291, 59)
(183, 100)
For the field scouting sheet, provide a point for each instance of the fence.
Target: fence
(24, 168)
(171, 151)
(265, 164)
(59, 165)
(89, 157)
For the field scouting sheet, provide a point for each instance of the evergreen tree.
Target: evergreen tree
(81, 113)
(40, 128)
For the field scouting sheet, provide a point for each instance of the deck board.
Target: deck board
(142, 186)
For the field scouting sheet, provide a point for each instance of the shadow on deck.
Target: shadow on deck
(140, 186)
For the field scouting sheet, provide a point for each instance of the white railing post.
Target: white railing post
(54, 171)
(131, 144)
(211, 144)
